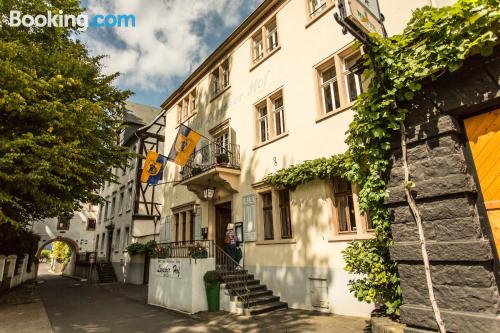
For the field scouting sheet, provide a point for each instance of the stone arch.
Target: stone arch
(74, 251)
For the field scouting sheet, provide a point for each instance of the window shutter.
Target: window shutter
(197, 224)
(250, 218)
(165, 232)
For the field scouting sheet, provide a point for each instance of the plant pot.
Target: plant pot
(213, 296)
(195, 171)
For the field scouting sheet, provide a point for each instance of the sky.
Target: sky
(170, 39)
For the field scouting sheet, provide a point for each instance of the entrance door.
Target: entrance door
(222, 218)
(483, 133)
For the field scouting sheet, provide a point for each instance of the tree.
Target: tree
(59, 118)
(62, 252)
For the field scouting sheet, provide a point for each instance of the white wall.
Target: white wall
(187, 293)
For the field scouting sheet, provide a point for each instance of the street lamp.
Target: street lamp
(208, 193)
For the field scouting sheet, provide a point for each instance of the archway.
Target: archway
(74, 252)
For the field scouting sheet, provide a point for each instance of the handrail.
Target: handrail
(210, 156)
(196, 249)
(233, 274)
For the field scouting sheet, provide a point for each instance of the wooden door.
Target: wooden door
(222, 218)
(483, 134)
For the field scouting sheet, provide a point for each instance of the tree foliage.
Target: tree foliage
(59, 118)
(434, 42)
(62, 252)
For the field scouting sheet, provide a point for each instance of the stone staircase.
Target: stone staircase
(106, 272)
(260, 299)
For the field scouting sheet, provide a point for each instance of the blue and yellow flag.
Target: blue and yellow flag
(152, 172)
(184, 145)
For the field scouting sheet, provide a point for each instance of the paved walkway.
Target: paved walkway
(22, 311)
(74, 306)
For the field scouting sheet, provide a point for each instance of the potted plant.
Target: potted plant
(222, 158)
(136, 248)
(195, 170)
(198, 251)
(212, 288)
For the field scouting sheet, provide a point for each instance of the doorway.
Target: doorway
(483, 135)
(222, 219)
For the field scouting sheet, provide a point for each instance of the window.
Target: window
(91, 224)
(117, 240)
(106, 210)
(222, 143)
(272, 35)
(129, 197)
(348, 221)
(186, 107)
(132, 161)
(264, 42)
(103, 238)
(352, 80)
(126, 236)
(316, 7)
(220, 78)
(279, 119)
(274, 215)
(286, 223)
(330, 89)
(270, 118)
(97, 243)
(263, 125)
(191, 225)
(120, 201)
(113, 205)
(344, 205)
(63, 222)
(339, 85)
(267, 208)
(184, 228)
(184, 223)
(258, 47)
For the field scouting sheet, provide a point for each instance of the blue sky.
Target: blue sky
(171, 38)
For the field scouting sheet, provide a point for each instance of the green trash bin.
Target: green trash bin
(212, 288)
(213, 295)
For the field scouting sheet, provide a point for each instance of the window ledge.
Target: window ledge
(264, 58)
(349, 237)
(276, 241)
(214, 97)
(320, 15)
(276, 138)
(332, 113)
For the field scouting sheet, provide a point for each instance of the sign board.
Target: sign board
(170, 268)
(364, 14)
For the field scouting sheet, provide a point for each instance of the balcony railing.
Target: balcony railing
(197, 249)
(211, 156)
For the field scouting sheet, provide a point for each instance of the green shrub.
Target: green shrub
(136, 248)
(45, 254)
(211, 278)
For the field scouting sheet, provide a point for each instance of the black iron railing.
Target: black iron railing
(197, 249)
(234, 275)
(209, 157)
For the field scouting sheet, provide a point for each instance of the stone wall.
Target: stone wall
(464, 263)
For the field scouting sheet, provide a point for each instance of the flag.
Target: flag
(152, 172)
(184, 145)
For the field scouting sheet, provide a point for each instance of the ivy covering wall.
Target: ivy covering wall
(434, 42)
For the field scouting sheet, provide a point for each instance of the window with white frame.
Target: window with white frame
(352, 80)
(316, 7)
(117, 240)
(279, 115)
(120, 201)
(263, 123)
(126, 237)
(258, 47)
(186, 107)
(330, 89)
(113, 205)
(106, 209)
(220, 78)
(270, 117)
(272, 35)
(129, 197)
(103, 239)
(222, 143)
(265, 41)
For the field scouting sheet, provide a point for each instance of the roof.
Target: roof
(140, 114)
(229, 43)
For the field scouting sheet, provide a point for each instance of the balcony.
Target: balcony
(213, 166)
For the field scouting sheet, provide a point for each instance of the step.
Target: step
(262, 300)
(224, 272)
(236, 284)
(256, 294)
(251, 288)
(237, 276)
(264, 308)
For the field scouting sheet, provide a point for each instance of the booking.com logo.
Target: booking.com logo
(80, 22)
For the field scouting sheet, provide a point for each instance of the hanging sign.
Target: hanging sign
(170, 268)
(364, 14)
